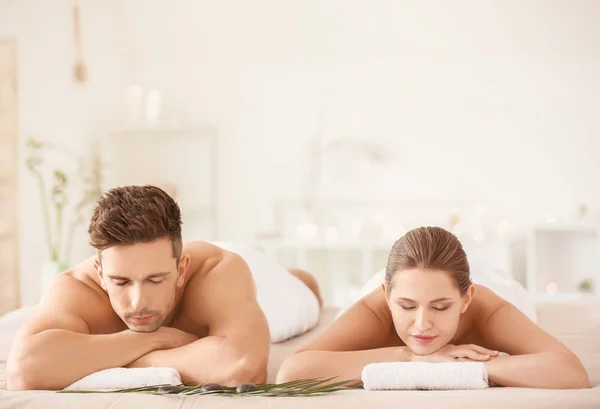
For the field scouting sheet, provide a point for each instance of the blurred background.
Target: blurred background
(316, 131)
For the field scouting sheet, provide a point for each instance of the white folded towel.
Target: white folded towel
(424, 375)
(124, 378)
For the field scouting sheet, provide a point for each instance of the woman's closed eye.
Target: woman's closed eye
(412, 307)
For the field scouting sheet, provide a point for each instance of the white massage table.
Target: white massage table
(577, 324)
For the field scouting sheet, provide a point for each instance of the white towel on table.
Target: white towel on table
(124, 378)
(424, 375)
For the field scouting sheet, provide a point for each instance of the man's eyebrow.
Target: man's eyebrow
(157, 275)
(153, 275)
(117, 277)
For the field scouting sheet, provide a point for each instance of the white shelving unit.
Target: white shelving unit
(300, 251)
(560, 257)
(340, 267)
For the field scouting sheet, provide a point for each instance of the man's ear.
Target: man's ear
(98, 267)
(184, 263)
(468, 297)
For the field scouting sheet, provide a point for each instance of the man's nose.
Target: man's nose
(138, 298)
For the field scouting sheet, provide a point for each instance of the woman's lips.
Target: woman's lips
(424, 339)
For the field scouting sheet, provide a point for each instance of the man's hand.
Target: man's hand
(452, 353)
(169, 338)
(174, 338)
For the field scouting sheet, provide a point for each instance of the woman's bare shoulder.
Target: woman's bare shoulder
(485, 303)
(367, 324)
(376, 303)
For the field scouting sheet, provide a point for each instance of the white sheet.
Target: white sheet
(290, 306)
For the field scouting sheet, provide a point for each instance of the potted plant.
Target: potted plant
(586, 286)
(65, 195)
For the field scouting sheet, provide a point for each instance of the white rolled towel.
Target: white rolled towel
(424, 375)
(124, 378)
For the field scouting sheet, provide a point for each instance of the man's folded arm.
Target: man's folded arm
(236, 349)
(56, 348)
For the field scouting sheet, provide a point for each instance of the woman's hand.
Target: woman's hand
(457, 353)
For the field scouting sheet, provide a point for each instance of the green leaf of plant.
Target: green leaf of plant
(301, 387)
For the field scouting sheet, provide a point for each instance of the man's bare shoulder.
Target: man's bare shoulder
(76, 292)
(72, 285)
(84, 276)
(210, 263)
(203, 251)
(205, 258)
(213, 273)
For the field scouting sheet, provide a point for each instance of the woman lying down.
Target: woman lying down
(428, 310)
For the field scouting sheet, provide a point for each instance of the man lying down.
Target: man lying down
(146, 299)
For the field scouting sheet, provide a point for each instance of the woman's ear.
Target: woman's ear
(467, 298)
(386, 291)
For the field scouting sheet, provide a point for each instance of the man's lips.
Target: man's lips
(141, 320)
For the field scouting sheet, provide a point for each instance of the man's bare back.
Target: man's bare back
(210, 327)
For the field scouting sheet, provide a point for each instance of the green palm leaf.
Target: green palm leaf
(302, 387)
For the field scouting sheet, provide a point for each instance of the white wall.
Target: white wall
(492, 102)
(51, 106)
